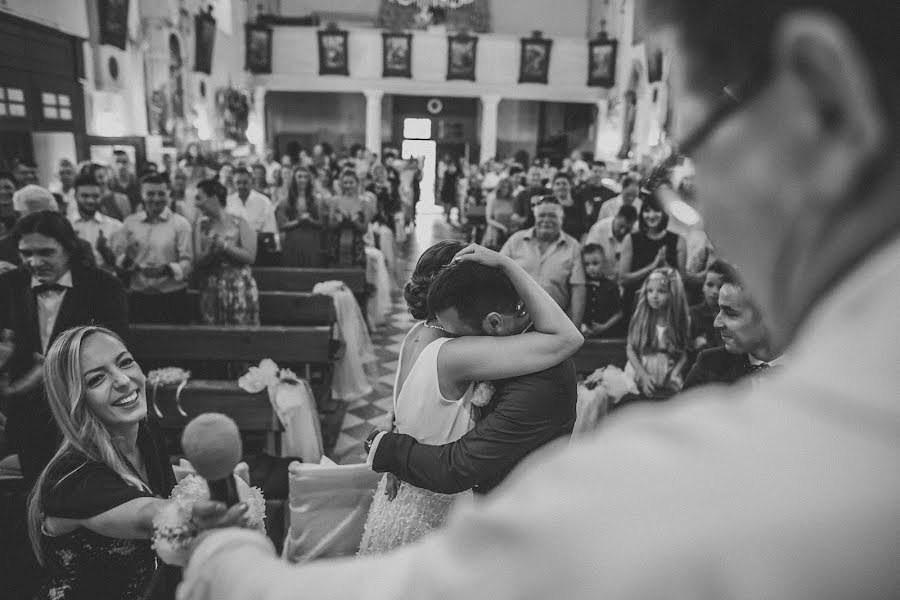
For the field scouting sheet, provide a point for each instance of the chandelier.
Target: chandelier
(445, 4)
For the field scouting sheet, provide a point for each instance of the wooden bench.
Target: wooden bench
(600, 353)
(176, 345)
(286, 279)
(290, 308)
(309, 345)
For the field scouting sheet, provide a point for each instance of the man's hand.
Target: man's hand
(391, 486)
(27, 382)
(104, 250)
(7, 347)
(6, 266)
(482, 256)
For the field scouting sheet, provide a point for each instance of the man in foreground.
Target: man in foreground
(783, 490)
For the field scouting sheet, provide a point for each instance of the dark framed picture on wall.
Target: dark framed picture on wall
(462, 52)
(259, 49)
(397, 55)
(534, 62)
(602, 63)
(113, 15)
(333, 52)
(205, 41)
(654, 63)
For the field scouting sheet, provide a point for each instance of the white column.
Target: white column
(373, 120)
(600, 127)
(489, 106)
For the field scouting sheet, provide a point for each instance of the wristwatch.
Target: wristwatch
(371, 440)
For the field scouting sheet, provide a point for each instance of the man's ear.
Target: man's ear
(821, 54)
(492, 323)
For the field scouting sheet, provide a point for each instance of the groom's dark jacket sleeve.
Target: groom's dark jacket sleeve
(524, 414)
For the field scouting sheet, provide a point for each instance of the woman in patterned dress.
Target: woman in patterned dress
(224, 247)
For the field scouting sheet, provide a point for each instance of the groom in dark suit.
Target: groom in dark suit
(52, 291)
(748, 347)
(523, 414)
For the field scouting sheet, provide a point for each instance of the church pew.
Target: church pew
(290, 308)
(310, 344)
(600, 353)
(174, 345)
(286, 279)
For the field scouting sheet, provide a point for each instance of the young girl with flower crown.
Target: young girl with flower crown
(659, 335)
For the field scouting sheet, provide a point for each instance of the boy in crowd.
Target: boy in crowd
(703, 334)
(603, 312)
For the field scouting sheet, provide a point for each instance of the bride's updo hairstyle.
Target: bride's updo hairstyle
(430, 263)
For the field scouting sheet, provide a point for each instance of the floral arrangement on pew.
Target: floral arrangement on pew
(173, 528)
(168, 377)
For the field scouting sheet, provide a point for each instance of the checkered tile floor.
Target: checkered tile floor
(370, 412)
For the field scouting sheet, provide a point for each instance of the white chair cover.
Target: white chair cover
(328, 504)
(379, 304)
(355, 373)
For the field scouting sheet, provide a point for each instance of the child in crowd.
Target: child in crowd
(603, 313)
(703, 334)
(658, 338)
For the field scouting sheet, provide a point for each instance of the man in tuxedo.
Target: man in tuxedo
(523, 414)
(748, 347)
(52, 291)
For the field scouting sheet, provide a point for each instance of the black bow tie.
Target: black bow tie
(758, 368)
(48, 287)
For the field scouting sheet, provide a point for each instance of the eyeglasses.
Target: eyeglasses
(732, 98)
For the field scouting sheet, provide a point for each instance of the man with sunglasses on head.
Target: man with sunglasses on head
(787, 489)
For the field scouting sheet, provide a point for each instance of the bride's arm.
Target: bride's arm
(477, 358)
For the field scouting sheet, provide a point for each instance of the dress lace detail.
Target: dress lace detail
(406, 518)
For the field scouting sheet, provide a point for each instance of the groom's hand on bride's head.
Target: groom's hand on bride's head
(481, 255)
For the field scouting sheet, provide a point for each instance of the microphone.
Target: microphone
(212, 444)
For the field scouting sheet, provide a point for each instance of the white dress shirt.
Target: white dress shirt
(602, 235)
(89, 229)
(258, 211)
(611, 207)
(788, 490)
(48, 305)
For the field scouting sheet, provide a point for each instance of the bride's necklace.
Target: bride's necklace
(438, 327)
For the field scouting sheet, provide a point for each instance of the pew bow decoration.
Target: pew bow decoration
(294, 403)
(173, 528)
(165, 377)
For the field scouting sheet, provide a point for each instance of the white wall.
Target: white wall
(295, 67)
(569, 18)
(69, 16)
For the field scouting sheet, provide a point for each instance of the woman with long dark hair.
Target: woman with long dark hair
(349, 215)
(299, 219)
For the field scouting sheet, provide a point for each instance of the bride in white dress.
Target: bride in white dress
(444, 356)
